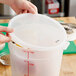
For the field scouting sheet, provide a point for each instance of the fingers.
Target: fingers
(29, 7)
(31, 10)
(6, 29)
(23, 11)
(34, 7)
(17, 11)
(4, 38)
(24, 6)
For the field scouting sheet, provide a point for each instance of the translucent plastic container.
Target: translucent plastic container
(37, 47)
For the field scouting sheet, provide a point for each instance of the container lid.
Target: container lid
(38, 32)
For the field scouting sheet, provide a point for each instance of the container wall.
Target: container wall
(45, 63)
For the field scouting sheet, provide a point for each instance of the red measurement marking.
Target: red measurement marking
(24, 51)
(31, 64)
(25, 75)
(28, 63)
(28, 52)
(32, 52)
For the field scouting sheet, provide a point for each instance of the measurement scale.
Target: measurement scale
(28, 51)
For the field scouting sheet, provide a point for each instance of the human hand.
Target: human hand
(5, 38)
(23, 6)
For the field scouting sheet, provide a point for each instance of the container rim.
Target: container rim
(61, 45)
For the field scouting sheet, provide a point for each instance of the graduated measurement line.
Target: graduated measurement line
(28, 52)
(25, 61)
(28, 63)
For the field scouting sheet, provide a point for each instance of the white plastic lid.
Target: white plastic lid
(38, 32)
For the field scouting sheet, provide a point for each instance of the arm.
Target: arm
(21, 6)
